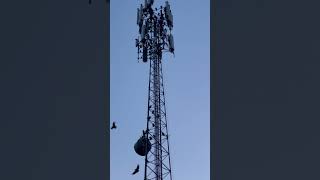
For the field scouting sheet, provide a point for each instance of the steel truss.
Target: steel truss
(157, 161)
(155, 29)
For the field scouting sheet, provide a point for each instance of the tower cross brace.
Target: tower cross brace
(155, 27)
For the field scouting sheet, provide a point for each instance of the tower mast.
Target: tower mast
(155, 25)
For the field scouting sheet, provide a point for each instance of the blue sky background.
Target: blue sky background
(187, 89)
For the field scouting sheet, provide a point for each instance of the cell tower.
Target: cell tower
(155, 25)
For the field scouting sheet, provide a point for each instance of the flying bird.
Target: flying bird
(136, 170)
(114, 126)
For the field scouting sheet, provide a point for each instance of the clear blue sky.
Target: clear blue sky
(187, 88)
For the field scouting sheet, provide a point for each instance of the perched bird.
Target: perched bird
(136, 170)
(114, 126)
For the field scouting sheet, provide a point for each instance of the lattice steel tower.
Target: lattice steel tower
(155, 25)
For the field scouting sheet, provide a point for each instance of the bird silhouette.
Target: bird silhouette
(136, 170)
(114, 126)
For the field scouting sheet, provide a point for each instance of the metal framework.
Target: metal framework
(155, 27)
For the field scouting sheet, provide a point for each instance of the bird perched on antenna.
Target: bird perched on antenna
(136, 170)
(114, 126)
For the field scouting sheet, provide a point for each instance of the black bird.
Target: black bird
(136, 170)
(114, 126)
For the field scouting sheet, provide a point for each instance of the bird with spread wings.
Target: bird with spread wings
(136, 170)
